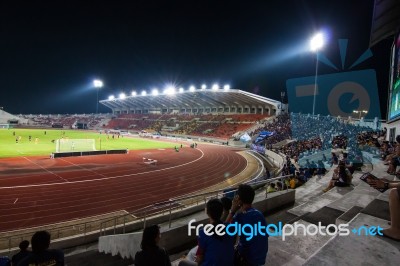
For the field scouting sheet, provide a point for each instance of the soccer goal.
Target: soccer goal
(68, 145)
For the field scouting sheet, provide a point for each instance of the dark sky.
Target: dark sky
(51, 51)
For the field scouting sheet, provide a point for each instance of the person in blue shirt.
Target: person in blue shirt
(213, 250)
(253, 251)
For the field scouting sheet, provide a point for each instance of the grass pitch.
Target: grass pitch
(45, 146)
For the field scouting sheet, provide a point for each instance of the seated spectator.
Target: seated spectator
(214, 249)
(271, 188)
(151, 254)
(41, 254)
(253, 251)
(23, 246)
(334, 159)
(394, 206)
(293, 182)
(341, 177)
(348, 163)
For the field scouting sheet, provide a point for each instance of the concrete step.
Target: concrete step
(356, 249)
(94, 258)
(295, 249)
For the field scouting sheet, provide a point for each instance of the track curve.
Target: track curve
(37, 191)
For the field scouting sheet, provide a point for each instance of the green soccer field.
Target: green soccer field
(45, 146)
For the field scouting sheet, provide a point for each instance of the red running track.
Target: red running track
(37, 190)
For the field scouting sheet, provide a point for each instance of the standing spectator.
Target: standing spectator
(253, 251)
(41, 254)
(151, 254)
(23, 246)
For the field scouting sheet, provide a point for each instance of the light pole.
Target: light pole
(282, 96)
(316, 43)
(360, 112)
(97, 84)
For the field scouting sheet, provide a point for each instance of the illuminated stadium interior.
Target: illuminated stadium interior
(279, 155)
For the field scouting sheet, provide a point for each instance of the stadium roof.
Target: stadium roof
(229, 100)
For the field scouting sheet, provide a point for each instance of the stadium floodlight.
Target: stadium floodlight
(111, 97)
(154, 92)
(316, 43)
(97, 84)
(133, 93)
(170, 90)
(215, 87)
(181, 90)
(204, 86)
(144, 93)
(122, 96)
(227, 87)
(192, 88)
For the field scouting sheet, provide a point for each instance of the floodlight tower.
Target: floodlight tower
(97, 84)
(316, 44)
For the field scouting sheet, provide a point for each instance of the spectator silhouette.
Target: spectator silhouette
(151, 254)
(41, 254)
(23, 246)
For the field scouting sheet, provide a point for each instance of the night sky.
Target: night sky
(52, 51)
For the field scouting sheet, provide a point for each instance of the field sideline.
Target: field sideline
(45, 146)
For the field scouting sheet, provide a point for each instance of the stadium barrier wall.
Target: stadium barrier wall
(86, 153)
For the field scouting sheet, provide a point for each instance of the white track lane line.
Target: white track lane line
(46, 169)
(105, 178)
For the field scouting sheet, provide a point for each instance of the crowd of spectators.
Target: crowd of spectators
(39, 254)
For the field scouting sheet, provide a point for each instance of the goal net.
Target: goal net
(67, 145)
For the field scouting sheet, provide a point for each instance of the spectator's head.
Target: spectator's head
(214, 209)
(151, 237)
(40, 241)
(24, 245)
(226, 203)
(246, 194)
(272, 185)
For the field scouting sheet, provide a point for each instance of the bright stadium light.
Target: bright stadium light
(122, 95)
(215, 87)
(170, 90)
(227, 87)
(97, 84)
(204, 86)
(181, 90)
(316, 43)
(111, 97)
(144, 93)
(192, 88)
(154, 92)
(133, 93)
